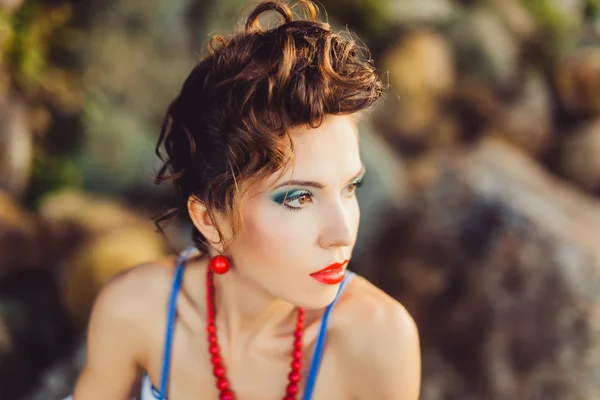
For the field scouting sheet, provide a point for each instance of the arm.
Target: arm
(386, 358)
(400, 359)
(113, 345)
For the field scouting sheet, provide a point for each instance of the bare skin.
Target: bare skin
(372, 348)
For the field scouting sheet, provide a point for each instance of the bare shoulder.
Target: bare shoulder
(136, 290)
(378, 341)
(123, 320)
(128, 302)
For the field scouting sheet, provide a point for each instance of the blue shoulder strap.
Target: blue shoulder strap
(313, 372)
(172, 313)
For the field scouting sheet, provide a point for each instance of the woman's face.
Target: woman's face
(305, 220)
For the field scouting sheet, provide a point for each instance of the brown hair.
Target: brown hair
(231, 120)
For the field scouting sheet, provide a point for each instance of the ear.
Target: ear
(203, 222)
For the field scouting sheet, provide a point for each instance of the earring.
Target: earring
(219, 264)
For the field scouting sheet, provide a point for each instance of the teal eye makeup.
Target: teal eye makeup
(356, 183)
(285, 196)
(359, 182)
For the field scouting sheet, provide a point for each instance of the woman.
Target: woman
(262, 146)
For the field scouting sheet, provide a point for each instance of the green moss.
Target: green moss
(592, 9)
(31, 32)
(51, 173)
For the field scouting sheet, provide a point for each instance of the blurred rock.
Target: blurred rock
(580, 156)
(499, 264)
(97, 238)
(6, 342)
(73, 217)
(473, 106)
(486, 46)
(58, 381)
(37, 326)
(102, 258)
(560, 19)
(10, 6)
(124, 102)
(421, 73)
(22, 244)
(385, 188)
(16, 146)
(527, 121)
(516, 18)
(421, 11)
(378, 22)
(577, 82)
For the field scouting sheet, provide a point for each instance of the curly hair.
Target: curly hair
(231, 121)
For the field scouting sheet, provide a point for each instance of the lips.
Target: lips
(332, 274)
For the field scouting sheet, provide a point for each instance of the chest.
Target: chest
(253, 373)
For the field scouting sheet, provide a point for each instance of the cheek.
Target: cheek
(355, 217)
(270, 230)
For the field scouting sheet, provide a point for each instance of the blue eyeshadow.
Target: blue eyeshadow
(280, 197)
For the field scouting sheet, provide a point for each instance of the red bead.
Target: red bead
(222, 384)
(219, 371)
(297, 354)
(294, 376)
(292, 389)
(219, 264)
(213, 349)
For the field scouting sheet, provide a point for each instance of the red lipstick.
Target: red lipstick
(332, 274)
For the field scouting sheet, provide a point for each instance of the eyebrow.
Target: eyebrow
(317, 185)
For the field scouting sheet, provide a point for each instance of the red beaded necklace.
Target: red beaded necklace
(213, 347)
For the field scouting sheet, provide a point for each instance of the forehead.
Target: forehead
(335, 138)
(329, 152)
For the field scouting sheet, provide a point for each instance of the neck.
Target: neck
(246, 311)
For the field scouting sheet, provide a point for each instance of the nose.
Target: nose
(338, 226)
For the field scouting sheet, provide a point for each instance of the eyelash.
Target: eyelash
(356, 185)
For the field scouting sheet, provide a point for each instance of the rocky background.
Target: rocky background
(481, 208)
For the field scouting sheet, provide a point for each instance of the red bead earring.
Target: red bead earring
(219, 264)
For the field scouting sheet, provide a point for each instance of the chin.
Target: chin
(317, 300)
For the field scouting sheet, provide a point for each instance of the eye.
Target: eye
(355, 185)
(298, 201)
